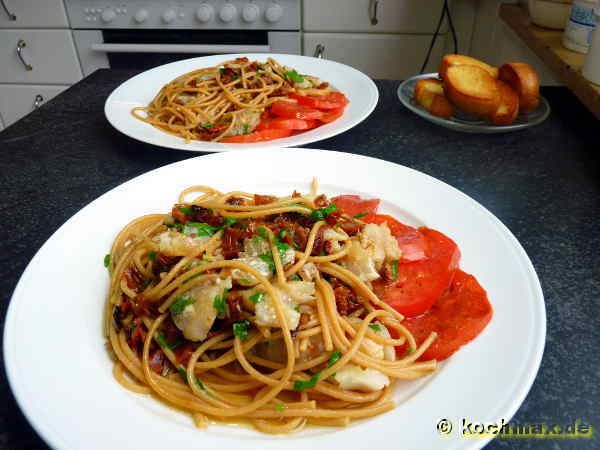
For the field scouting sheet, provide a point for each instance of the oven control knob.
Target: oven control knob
(169, 16)
(273, 13)
(204, 13)
(108, 15)
(250, 13)
(141, 15)
(227, 12)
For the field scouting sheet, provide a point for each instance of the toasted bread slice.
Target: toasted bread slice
(524, 80)
(429, 93)
(472, 89)
(508, 109)
(463, 60)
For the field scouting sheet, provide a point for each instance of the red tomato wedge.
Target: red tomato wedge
(258, 136)
(410, 240)
(354, 205)
(331, 115)
(293, 110)
(286, 124)
(421, 283)
(458, 317)
(333, 100)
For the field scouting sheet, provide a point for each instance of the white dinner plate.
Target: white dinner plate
(141, 89)
(60, 373)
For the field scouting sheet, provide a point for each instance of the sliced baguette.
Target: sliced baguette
(463, 60)
(472, 89)
(508, 109)
(429, 93)
(525, 82)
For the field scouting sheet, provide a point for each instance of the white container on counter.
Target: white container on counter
(591, 66)
(580, 26)
(550, 13)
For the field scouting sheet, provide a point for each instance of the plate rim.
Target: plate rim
(181, 145)
(508, 407)
(466, 127)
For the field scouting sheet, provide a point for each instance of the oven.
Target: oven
(139, 34)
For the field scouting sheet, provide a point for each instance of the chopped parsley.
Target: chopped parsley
(282, 233)
(282, 247)
(375, 326)
(186, 210)
(229, 221)
(280, 407)
(162, 341)
(257, 298)
(262, 232)
(335, 357)
(268, 258)
(321, 213)
(395, 269)
(207, 125)
(219, 302)
(199, 229)
(294, 76)
(361, 215)
(183, 374)
(107, 260)
(245, 280)
(295, 277)
(297, 308)
(181, 303)
(152, 256)
(409, 350)
(240, 329)
(246, 128)
(301, 385)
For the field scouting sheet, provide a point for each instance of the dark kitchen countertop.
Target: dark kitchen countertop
(543, 183)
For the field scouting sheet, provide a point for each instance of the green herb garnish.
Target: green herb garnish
(257, 298)
(162, 341)
(183, 374)
(282, 247)
(229, 221)
(186, 210)
(295, 277)
(107, 260)
(268, 258)
(199, 229)
(152, 256)
(280, 407)
(262, 232)
(321, 213)
(294, 76)
(297, 308)
(361, 215)
(375, 326)
(246, 128)
(335, 356)
(395, 269)
(301, 385)
(207, 125)
(181, 303)
(283, 233)
(219, 302)
(240, 329)
(245, 280)
(409, 350)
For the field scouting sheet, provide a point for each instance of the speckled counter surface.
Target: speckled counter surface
(543, 183)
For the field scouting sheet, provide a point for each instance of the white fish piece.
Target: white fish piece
(309, 272)
(380, 240)
(356, 378)
(360, 262)
(266, 315)
(255, 262)
(335, 237)
(301, 291)
(197, 318)
(173, 243)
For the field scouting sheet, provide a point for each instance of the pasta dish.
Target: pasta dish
(283, 312)
(242, 101)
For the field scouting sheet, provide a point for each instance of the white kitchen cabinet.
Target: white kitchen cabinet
(1, 124)
(33, 14)
(17, 101)
(50, 55)
(391, 56)
(392, 16)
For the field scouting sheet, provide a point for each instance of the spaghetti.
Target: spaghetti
(245, 307)
(231, 102)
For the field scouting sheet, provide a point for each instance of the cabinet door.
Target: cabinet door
(18, 101)
(392, 16)
(1, 124)
(50, 55)
(387, 56)
(33, 14)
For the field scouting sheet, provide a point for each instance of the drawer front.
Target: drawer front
(387, 56)
(50, 55)
(33, 14)
(17, 101)
(392, 16)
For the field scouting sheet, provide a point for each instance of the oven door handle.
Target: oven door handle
(179, 48)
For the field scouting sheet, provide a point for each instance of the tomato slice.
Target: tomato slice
(293, 110)
(332, 114)
(410, 240)
(354, 205)
(421, 283)
(286, 124)
(458, 317)
(333, 100)
(258, 136)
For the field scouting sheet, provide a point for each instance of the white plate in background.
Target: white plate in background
(142, 88)
(61, 375)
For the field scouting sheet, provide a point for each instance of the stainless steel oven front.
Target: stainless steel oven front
(145, 33)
